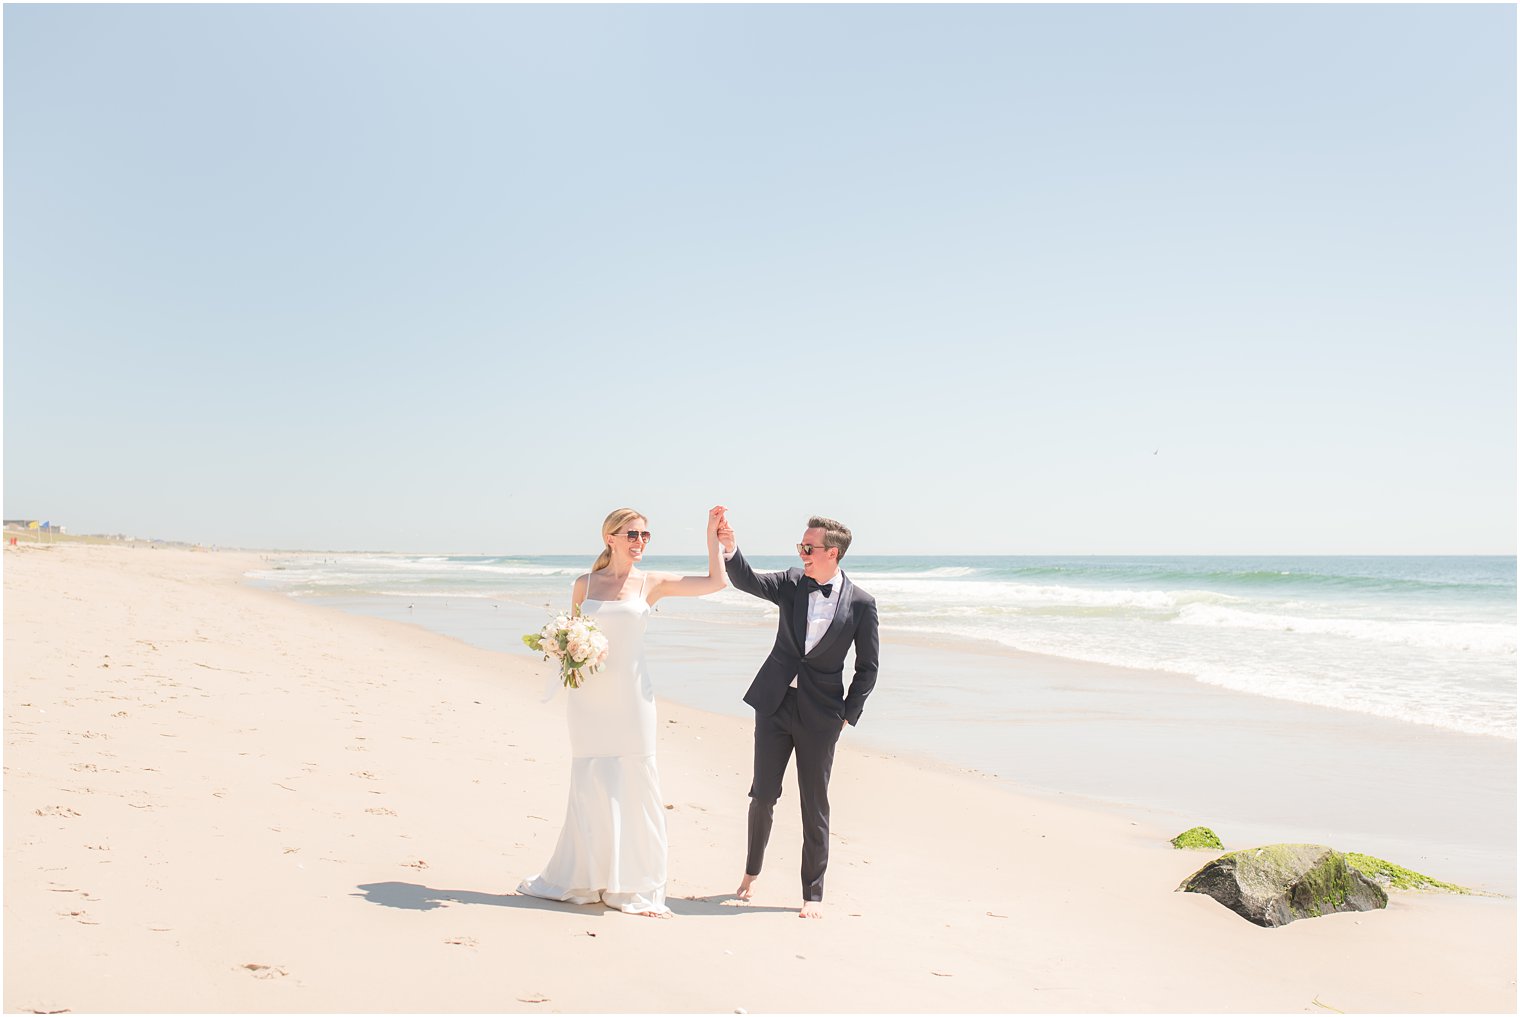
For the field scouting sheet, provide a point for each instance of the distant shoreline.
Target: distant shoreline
(1424, 640)
(119, 539)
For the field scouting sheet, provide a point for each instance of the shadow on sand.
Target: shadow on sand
(415, 897)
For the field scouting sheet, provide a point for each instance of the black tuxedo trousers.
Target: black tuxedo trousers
(776, 737)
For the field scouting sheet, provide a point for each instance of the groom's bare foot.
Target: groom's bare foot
(746, 888)
(811, 909)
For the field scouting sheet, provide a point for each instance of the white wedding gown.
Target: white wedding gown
(612, 847)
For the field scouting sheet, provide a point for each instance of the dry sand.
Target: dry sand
(219, 799)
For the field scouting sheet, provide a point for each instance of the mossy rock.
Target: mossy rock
(1199, 838)
(1281, 883)
(1385, 873)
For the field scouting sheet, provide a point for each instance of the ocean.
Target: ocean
(1420, 640)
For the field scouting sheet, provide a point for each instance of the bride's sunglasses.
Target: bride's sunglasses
(635, 536)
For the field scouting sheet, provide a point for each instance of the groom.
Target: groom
(799, 695)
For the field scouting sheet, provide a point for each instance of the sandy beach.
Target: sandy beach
(220, 799)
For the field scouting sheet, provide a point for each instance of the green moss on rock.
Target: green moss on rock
(1385, 873)
(1276, 884)
(1199, 838)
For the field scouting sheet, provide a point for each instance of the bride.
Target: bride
(612, 847)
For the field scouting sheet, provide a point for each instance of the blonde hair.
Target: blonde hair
(614, 522)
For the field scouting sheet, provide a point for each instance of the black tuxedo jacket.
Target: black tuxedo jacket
(820, 673)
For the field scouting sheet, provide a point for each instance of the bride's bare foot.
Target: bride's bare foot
(746, 891)
(654, 914)
(811, 909)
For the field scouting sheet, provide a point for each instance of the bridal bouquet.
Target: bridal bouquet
(576, 643)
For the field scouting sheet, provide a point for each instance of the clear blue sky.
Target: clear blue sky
(464, 278)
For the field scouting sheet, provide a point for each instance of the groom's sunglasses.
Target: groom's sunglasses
(808, 549)
(634, 536)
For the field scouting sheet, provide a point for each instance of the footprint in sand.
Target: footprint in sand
(364, 775)
(381, 812)
(57, 810)
(265, 970)
(462, 941)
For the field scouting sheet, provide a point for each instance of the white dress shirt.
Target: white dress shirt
(821, 613)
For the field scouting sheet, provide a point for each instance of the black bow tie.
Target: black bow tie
(810, 584)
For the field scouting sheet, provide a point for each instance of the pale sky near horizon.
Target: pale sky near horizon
(1043, 279)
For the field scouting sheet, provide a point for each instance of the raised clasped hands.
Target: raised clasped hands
(718, 526)
(717, 522)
